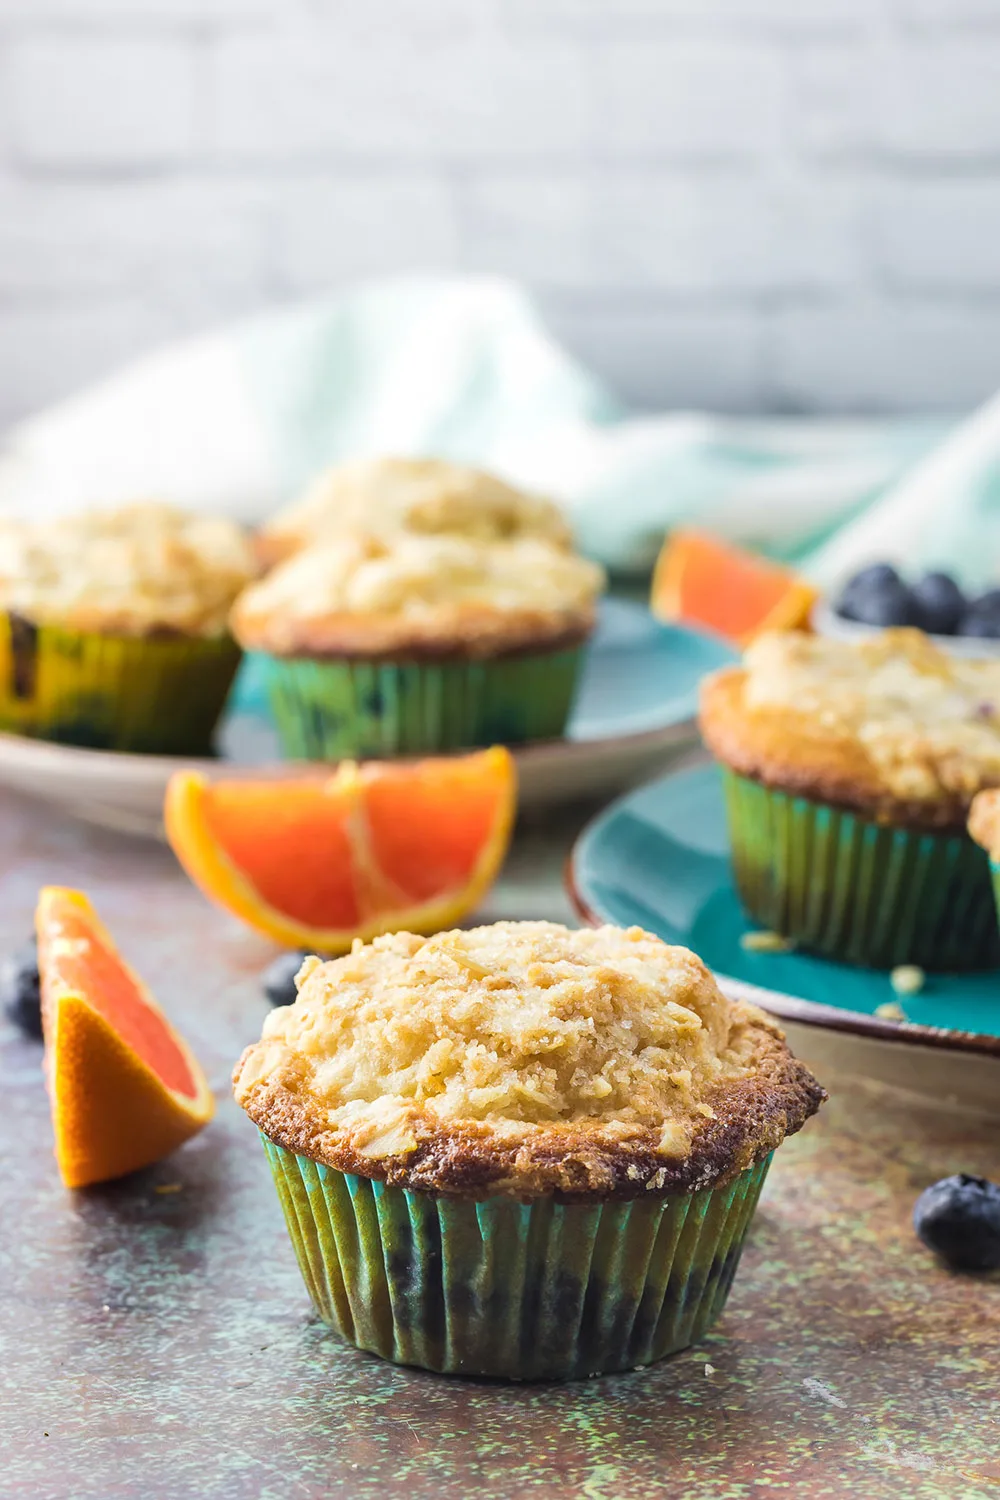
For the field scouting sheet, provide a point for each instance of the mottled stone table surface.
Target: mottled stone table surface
(156, 1340)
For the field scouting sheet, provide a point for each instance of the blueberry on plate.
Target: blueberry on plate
(982, 618)
(939, 602)
(959, 1219)
(20, 991)
(877, 596)
(278, 979)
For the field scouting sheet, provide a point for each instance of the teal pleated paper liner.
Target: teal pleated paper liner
(524, 1291)
(325, 710)
(859, 891)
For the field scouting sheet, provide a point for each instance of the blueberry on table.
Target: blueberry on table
(982, 618)
(959, 1219)
(940, 603)
(20, 991)
(278, 979)
(877, 596)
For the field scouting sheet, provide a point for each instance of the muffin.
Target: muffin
(113, 626)
(425, 495)
(849, 771)
(403, 644)
(518, 1150)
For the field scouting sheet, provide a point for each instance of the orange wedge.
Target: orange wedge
(124, 1088)
(702, 581)
(317, 862)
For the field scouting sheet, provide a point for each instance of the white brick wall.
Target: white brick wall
(742, 203)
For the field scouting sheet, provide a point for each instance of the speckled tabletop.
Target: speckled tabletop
(156, 1340)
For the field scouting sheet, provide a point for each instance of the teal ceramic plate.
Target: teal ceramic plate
(635, 708)
(659, 858)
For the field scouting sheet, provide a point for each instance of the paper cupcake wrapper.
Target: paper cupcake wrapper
(157, 694)
(522, 1291)
(325, 710)
(856, 890)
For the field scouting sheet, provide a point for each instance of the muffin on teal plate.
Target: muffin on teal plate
(113, 626)
(520, 1151)
(403, 644)
(849, 771)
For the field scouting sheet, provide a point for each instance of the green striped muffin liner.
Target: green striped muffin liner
(161, 694)
(860, 891)
(328, 709)
(522, 1291)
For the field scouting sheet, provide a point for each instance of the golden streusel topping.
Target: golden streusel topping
(517, 1026)
(130, 570)
(928, 722)
(401, 587)
(426, 495)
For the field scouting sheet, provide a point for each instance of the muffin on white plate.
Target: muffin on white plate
(520, 1150)
(404, 644)
(429, 496)
(113, 626)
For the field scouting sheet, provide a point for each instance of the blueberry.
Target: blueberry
(278, 979)
(940, 603)
(877, 596)
(982, 618)
(20, 992)
(874, 576)
(959, 1218)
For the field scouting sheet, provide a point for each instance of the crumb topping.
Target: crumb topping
(424, 495)
(524, 1033)
(383, 591)
(928, 722)
(130, 570)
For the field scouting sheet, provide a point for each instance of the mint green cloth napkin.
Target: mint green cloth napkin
(238, 420)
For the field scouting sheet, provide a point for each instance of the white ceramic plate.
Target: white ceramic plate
(635, 709)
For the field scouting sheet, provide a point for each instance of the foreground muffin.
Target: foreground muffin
(113, 626)
(404, 644)
(520, 1150)
(424, 495)
(850, 769)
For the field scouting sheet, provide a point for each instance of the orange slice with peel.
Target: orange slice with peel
(702, 581)
(125, 1089)
(317, 862)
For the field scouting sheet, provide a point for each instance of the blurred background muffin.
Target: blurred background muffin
(113, 626)
(402, 643)
(427, 495)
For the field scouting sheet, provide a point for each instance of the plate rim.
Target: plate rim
(793, 1008)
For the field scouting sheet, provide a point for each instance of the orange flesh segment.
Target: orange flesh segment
(80, 964)
(427, 832)
(294, 848)
(703, 581)
(369, 849)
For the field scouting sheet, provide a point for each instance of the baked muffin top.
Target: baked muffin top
(422, 595)
(425, 495)
(133, 570)
(524, 1058)
(890, 725)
